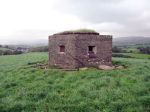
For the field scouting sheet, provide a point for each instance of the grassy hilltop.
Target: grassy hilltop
(26, 88)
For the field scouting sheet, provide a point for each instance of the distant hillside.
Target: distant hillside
(26, 43)
(131, 40)
(119, 41)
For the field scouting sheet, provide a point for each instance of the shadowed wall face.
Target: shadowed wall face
(94, 50)
(72, 51)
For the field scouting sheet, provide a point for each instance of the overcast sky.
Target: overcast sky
(31, 20)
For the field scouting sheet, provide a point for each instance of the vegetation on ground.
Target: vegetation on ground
(28, 89)
(79, 31)
(7, 50)
(131, 49)
(39, 49)
(4, 49)
(132, 55)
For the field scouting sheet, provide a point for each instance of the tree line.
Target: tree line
(19, 50)
(143, 50)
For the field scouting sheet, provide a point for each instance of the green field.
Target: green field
(133, 50)
(4, 49)
(24, 88)
(136, 55)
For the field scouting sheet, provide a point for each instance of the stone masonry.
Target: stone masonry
(76, 50)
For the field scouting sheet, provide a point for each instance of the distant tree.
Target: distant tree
(1, 46)
(6, 46)
(39, 49)
(130, 51)
(116, 49)
(1, 52)
(17, 52)
(8, 52)
(124, 51)
(145, 50)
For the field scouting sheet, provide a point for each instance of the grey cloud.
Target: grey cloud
(99, 10)
(126, 13)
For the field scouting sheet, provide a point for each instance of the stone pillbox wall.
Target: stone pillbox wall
(72, 50)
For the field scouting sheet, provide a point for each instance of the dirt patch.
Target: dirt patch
(114, 67)
(41, 65)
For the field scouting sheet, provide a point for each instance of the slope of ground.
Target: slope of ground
(28, 89)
